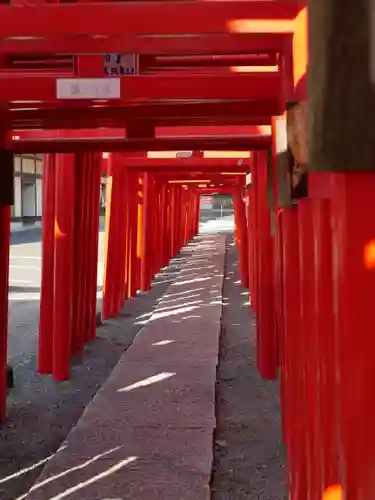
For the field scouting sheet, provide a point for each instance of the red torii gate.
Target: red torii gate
(141, 201)
(30, 99)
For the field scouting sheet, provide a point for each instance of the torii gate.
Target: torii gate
(306, 309)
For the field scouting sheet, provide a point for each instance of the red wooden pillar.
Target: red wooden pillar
(81, 248)
(292, 367)
(132, 231)
(188, 209)
(251, 242)
(46, 321)
(154, 246)
(177, 219)
(241, 235)
(309, 353)
(125, 290)
(168, 240)
(173, 221)
(121, 226)
(255, 232)
(147, 233)
(64, 227)
(191, 210)
(93, 214)
(139, 231)
(267, 337)
(281, 327)
(114, 248)
(197, 213)
(6, 200)
(353, 232)
(107, 300)
(163, 224)
(324, 331)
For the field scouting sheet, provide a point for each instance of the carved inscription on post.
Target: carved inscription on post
(297, 146)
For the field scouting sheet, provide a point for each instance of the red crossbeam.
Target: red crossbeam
(216, 61)
(212, 175)
(210, 44)
(187, 164)
(160, 132)
(239, 143)
(69, 115)
(190, 173)
(133, 18)
(138, 88)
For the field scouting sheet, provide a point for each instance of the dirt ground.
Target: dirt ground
(249, 462)
(41, 412)
(249, 459)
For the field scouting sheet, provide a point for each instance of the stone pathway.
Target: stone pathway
(248, 458)
(148, 432)
(41, 412)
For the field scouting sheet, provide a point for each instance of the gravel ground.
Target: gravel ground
(249, 458)
(41, 412)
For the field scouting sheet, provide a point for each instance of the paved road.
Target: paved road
(25, 277)
(24, 296)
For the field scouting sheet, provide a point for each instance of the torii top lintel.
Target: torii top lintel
(143, 18)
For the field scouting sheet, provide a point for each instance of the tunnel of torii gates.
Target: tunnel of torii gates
(211, 76)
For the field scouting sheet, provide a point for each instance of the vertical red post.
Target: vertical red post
(292, 346)
(46, 321)
(324, 329)
(173, 221)
(132, 223)
(64, 219)
(267, 337)
(177, 220)
(125, 291)
(163, 224)
(353, 233)
(80, 252)
(146, 262)
(255, 231)
(93, 214)
(241, 231)
(168, 227)
(6, 200)
(122, 233)
(107, 278)
(139, 231)
(310, 353)
(251, 242)
(112, 271)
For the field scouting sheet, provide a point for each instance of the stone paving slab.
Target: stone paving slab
(134, 463)
(148, 432)
(179, 398)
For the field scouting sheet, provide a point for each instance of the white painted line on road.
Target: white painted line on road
(38, 257)
(19, 282)
(24, 267)
(24, 296)
(14, 296)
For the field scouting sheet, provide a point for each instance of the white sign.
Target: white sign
(120, 64)
(248, 179)
(88, 88)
